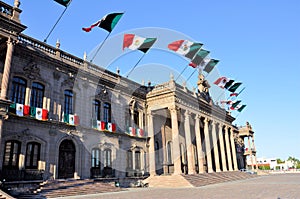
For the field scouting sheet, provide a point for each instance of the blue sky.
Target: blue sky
(257, 42)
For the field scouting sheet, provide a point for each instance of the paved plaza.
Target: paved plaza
(272, 186)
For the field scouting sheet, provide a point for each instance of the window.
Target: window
(95, 158)
(138, 160)
(11, 154)
(37, 95)
(169, 148)
(68, 102)
(32, 155)
(107, 112)
(96, 109)
(129, 160)
(136, 118)
(107, 158)
(18, 90)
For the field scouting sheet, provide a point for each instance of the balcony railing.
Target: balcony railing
(137, 132)
(103, 126)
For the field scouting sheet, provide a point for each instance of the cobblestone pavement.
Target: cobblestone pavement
(279, 186)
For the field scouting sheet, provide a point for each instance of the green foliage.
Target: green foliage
(279, 161)
(264, 167)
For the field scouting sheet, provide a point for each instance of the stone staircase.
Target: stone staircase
(62, 188)
(3, 195)
(196, 180)
(167, 181)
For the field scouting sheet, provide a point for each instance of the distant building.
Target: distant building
(272, 163)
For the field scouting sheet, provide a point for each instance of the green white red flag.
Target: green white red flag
(135, 42)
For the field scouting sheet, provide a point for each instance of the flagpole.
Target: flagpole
(45, 40)
(100, 46)
(135, 65)
(181, 72)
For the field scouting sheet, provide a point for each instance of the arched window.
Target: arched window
(32, 155)
(169, 152)
(11, 154)
(96, 110)
(95, 158)
(137, 160)
(37, 95)
(107, 158)
(68, 108)
(107, 112)
(18, 90)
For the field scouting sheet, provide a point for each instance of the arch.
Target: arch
(66, 159)
(18, 90)
(37, 95)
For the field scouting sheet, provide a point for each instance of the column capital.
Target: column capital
(197, 116)
(174, 108)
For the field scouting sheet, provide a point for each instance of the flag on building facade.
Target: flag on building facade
(63, 2)
(234, 87)
(71, 119)
(100, 125)
(140, 132)
(26, 110)
(135, 42)
(210, 65)
(39, 113)
(111, 127)
(19, 109)
(221, 82)
(185, 48)
(132, 131)
(107, 23)
(199, 57)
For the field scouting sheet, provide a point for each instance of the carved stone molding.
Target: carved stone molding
(32, 71)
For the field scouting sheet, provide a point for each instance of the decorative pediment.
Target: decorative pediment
(32, 71)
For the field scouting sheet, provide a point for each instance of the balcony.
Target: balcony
(245, 132)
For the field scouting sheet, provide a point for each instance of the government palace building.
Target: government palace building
(64, 117)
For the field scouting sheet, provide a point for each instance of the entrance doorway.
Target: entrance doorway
(66, 161)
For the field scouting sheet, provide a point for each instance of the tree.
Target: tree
(279, 161)
(295, 162)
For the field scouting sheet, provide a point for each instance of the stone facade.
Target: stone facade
(81, 121)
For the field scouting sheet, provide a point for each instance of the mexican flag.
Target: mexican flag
(234, 87)
(241, 108)
(100, 125)
(107, 23)
(210, 65)
(135, 42)
(12, 108)
(63, 2)
(71, 119)
(199, 57)
(19, 109)
(185, 48)
(221, 81)
(229, 83)
(111, 127)
(132, 131)
(235, 104)
(39, 113)
(26, 111)
(140, 132)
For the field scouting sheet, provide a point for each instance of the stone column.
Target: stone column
(215, 146)
(175, 140)
(208, 147)
(233, 148)
(199, 144)
(222, 148)
(189, 146)
(151, 151)
(228, 149)
(6, 70)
